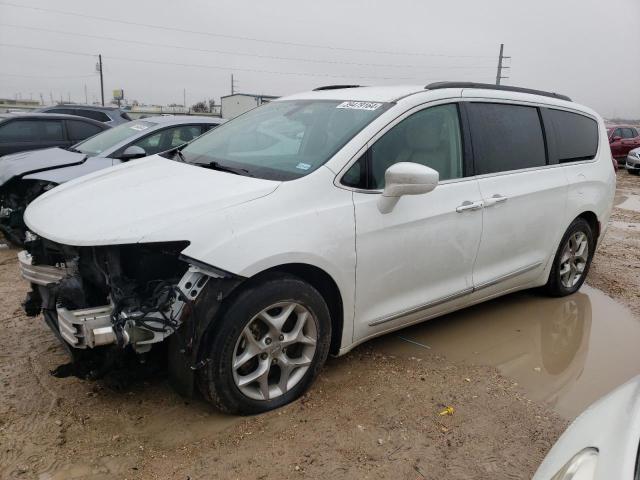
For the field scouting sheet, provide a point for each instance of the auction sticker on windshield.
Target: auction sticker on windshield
(360, 105)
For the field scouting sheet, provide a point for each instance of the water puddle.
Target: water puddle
(631, 202)
(566, 352)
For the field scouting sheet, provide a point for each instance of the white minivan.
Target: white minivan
(314, 223)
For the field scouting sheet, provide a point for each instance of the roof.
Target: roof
(249, 95)
(394, 93)
(61, 116)
(83, 105)
(177, 119)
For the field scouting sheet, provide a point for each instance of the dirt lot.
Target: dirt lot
(372, 414)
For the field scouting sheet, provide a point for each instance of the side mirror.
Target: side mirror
(132, 152)
(406, 178)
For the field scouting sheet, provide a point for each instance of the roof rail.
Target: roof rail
(490, 86)
(335, 87)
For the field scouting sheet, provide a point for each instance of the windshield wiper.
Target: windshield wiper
(223, 168)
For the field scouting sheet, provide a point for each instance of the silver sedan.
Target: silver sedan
(633, 161)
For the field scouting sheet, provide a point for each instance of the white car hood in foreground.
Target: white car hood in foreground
(612, 425)
(129, 202)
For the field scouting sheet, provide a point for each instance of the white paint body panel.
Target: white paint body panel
(612, 425)
(421, 253)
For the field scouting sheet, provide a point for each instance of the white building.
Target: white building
(238, 103)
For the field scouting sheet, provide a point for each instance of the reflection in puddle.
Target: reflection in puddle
(630, 203)
(566, 352)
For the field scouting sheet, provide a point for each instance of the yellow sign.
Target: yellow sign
(118, 94)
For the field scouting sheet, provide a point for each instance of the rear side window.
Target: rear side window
(575, 136)
(34, 131)
(505, 137)
(80, 130)
(66, 111)
(627, 133)
(93, 114)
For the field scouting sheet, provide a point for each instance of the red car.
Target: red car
(622, 138)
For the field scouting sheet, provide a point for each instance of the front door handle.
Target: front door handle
(468, 206)
(496, 199)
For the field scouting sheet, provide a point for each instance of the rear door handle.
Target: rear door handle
(468, 205)
(496, 199)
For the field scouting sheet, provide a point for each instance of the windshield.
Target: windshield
(97, 144)
(283, 140)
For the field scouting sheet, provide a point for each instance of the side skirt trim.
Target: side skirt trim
(454, 296)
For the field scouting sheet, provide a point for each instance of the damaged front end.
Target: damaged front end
(105, 301)
(15, 195)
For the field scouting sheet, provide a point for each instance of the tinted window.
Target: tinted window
(634, 132)
(31, 131)
(356, 176)
(429, 137)
(505, 137)
(93, 114)
(627, 133)
(80, 130)
(576, 136)
(66, 111)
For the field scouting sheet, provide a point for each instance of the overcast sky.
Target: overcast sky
(587, 49)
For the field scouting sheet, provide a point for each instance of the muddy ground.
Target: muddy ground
(372, 414)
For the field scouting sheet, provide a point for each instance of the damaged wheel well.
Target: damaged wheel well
(324, 283)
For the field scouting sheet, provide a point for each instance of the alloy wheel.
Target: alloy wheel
(573, 260)
(274, 351)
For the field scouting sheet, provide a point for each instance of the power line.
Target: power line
(238, 37)
(215, 67)
(47, 76)
(226, 52)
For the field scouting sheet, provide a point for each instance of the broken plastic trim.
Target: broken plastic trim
(207, 269)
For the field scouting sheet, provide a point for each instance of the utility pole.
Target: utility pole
(500, 65)
(184, 97)
(86, 99)
(99, 68)
(233, 85)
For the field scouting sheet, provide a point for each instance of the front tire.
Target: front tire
(572, 260)
(268, 347)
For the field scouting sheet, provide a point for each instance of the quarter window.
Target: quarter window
(576, 136)
(93, 114)
(80, 130)
(505, 137)
(429, 137)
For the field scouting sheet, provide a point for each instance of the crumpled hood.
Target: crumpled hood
(127, 203)
(18, 164)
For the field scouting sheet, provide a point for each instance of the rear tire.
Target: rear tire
(268, 347)
(572, 260)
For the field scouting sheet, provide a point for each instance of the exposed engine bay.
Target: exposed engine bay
(120, 298)
(15, 195)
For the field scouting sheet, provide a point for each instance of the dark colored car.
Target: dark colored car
(34, 131)
(622, 139)
(109, 115)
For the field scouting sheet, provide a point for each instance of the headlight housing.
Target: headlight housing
(582, 466)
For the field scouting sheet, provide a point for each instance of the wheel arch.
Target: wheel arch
(326, 286)
(592, 219)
